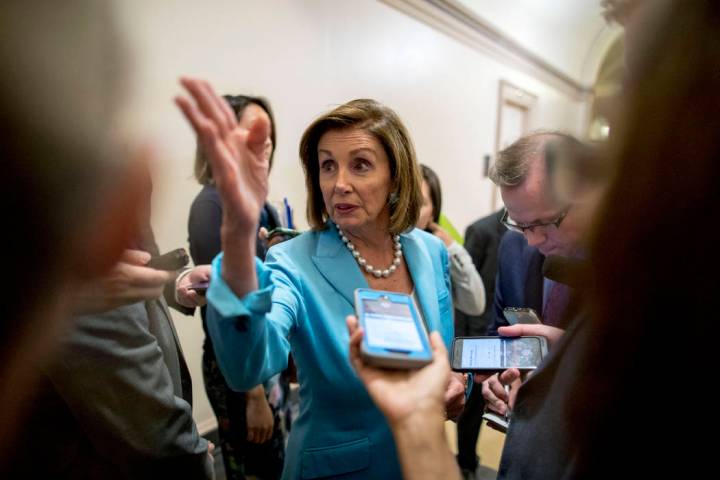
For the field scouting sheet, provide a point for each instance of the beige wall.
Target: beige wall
(307, 56)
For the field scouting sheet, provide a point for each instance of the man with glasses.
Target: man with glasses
(540, 224)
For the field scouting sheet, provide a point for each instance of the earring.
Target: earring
(393, 199)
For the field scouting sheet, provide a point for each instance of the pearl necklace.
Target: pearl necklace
(376, 272)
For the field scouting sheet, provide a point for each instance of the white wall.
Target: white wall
(306, 57)
(571, 35)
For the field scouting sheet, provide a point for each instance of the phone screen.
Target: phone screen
(490, 353)
(390, 325)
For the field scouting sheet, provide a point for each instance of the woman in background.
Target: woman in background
(467, 286)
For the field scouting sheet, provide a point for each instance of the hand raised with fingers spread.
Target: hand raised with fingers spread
(236, 155)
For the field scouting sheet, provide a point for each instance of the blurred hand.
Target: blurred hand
(400, 394)
(258, 415)
(188, 297)
(128, 281)
(236, 155)
(493, 390)
(440, 232)
(263, 236)
(455, 395)
(552, 334)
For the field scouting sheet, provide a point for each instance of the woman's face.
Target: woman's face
(251, 112)
(427, 209)
(354, 179)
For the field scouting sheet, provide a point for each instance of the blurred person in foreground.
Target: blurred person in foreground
(71, 171)
(604, 412)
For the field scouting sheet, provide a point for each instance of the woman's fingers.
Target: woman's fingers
(222, 113)
(205, 100)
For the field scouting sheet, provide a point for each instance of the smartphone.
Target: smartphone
(395, 335)
(521, 315)
(496, 421)
(288, 232)
(200, 288)
(494, 354)
(173, 260)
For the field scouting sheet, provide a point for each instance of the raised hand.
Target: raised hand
(236, 155)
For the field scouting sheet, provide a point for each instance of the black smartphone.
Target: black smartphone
(200, 288)
(170, 261)
(495, 354)
(287, 232)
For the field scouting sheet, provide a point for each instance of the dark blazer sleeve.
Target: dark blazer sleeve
(481, 241)
(519, 281)
(113, 377)
(507, 255)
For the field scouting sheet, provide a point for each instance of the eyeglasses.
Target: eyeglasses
(522, 228)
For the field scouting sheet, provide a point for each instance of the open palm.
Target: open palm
(236, 155)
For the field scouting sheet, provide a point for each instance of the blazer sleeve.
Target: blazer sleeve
(447, 326)
(501, 284)
(250, 334)
(113, 377)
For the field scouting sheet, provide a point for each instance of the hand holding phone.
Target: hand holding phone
(525, 316)
(483, 354)
(395, 335)
(191, 286)
(128, 281)
(281, 231)
(200, 288)
(170, 261)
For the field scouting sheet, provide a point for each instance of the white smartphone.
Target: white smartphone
(395, 335)
(521, 315)
(494, 354)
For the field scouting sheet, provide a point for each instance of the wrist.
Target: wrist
(238, 264)
(256, 393)
(422, 417)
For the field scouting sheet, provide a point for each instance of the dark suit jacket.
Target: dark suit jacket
(116, 403)
(519, 280)
(482, 239)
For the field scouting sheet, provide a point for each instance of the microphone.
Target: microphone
(566, 270)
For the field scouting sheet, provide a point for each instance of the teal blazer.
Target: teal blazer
(306, 291)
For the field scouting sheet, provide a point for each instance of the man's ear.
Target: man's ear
(116, 222)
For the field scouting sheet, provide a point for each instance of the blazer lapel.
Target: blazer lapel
(418, 260)
(334, 262)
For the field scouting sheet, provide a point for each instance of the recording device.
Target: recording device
(494, 354)
(526, 316)
(170, 261)
(200, 288)
(287, 232)
(395, 335)
(496, 421)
